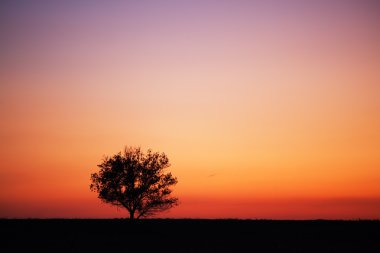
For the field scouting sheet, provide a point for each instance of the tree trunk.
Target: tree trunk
(132, 215)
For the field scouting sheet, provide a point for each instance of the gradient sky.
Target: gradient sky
(266, 109)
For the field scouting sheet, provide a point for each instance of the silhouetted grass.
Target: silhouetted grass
(188, 235)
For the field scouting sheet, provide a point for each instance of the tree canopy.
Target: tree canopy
(136, 181)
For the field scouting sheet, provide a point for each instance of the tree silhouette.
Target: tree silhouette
(136, 181)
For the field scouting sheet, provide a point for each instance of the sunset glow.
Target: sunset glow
(266, 109)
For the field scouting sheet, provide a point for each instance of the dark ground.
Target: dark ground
(120, 235)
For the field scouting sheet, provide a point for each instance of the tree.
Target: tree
(136, 181)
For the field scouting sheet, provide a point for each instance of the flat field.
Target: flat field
(188, 235)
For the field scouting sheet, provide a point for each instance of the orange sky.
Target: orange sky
(264, 110)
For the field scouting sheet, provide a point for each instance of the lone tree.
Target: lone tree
(136, 181)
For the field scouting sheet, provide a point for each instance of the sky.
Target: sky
(266, 109)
